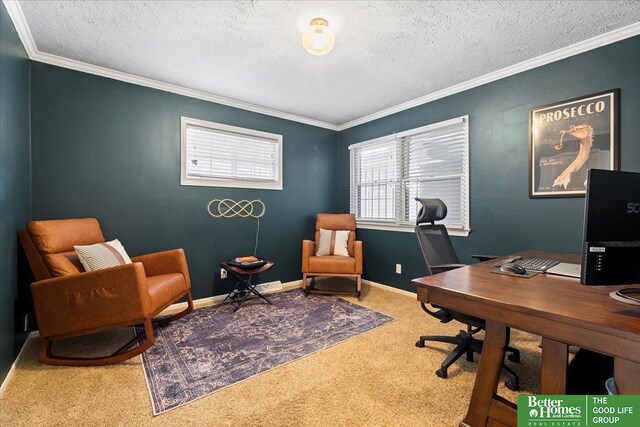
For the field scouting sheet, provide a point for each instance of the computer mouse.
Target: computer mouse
(512, 268)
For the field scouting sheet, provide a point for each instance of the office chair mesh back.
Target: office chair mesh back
(435, 245)
(434, 240)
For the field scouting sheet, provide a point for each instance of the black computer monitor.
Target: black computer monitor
(611, 238)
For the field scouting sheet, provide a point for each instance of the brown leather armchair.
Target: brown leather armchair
(70, 302)
(331, 265)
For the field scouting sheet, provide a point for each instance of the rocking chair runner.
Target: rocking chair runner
(69, 302)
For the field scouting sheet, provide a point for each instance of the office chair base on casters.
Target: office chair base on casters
(465, 345)
(468, 345)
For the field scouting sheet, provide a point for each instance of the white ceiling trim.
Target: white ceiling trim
(20, 22)
(547, 58)
(168, 87)
(22, 27)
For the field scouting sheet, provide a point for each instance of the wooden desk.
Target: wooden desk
(559, 309)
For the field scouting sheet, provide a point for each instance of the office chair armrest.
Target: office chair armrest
(88, 301)
(484, 257)
(442, 315)
(166, 262)
(445, 267)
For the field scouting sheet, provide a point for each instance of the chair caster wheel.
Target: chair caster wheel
(512, 385)
(514, 357)
(441, 373)
(420, 344)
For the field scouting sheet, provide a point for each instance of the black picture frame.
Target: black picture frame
(567, 138)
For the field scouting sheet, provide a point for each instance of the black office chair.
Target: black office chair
(439, 255)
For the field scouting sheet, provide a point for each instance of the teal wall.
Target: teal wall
(503, 218)
(110, 149)
(14, 181)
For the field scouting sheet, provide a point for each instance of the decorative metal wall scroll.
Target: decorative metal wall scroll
(227, 208)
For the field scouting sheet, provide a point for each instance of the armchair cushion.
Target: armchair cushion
(63, 264)
(102, 255)
(332, 264)
(55, 236)
(333, 242)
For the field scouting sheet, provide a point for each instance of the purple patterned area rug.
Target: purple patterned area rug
(213, 348)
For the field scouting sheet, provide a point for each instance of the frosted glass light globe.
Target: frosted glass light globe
(318, 39)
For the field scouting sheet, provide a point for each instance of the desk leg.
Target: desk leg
(627, 376)
(488, 376)
(554, 366)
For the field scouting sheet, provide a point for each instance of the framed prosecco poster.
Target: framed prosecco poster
(568, 138)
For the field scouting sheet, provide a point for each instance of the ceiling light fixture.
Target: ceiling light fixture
(318, 39)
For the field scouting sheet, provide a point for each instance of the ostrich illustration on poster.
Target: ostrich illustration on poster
(567, 139)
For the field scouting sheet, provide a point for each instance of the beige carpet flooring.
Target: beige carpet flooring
(376, 379)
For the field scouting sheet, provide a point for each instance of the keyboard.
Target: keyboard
(536, 264)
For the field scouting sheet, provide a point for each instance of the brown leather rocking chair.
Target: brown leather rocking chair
(70, 302)
(330, 265)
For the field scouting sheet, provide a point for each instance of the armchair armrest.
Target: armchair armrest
(308, 250)
(166, 262)
(358, 255)
(445, 267)
(90, 301)
(484, 257)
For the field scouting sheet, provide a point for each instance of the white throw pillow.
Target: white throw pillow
(333, 242)
(102, 255)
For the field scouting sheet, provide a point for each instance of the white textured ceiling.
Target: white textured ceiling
(386, 53)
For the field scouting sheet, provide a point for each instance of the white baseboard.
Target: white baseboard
(390, 288)
(15, 362)
(381, 286)
(269, 287)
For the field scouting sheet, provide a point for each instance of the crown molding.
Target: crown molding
(22, 27)
(556, 55)
(168, 87)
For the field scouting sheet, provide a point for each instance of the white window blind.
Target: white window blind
(388, 173)
(374, 175)
(225, 156)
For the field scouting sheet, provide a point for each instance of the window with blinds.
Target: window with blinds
(388, 173)
(219, 155)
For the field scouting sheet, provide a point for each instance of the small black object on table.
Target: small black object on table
(244, 289)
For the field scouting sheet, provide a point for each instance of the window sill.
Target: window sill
(256, 185)
(407, 229)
